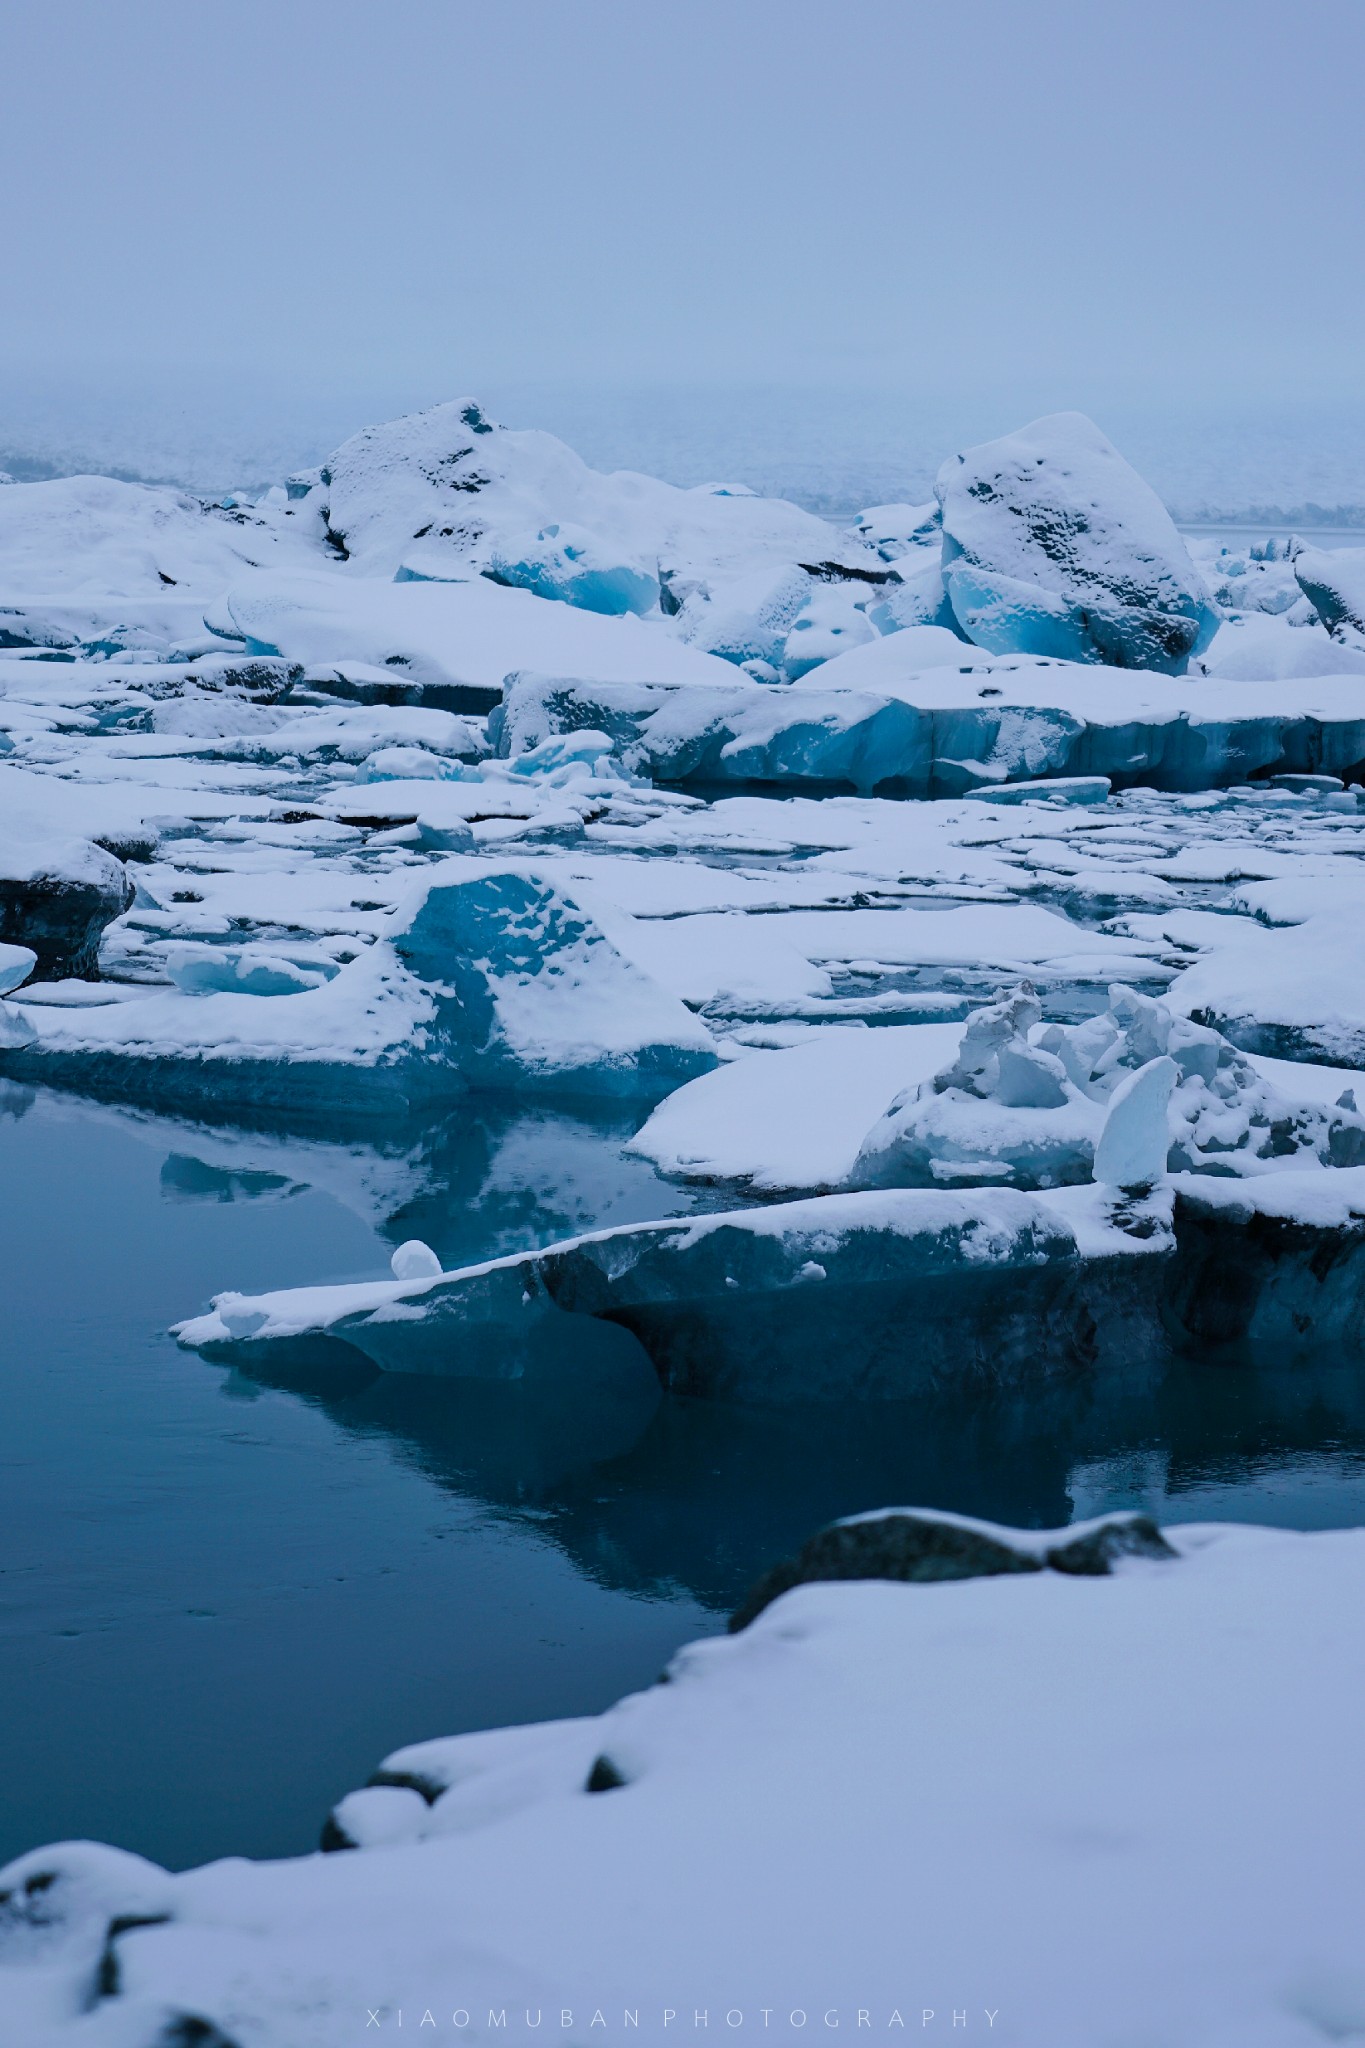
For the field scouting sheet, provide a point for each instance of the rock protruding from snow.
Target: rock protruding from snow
(56, 897)
(1053, 545)
(920, 1546)
(1043, 1768)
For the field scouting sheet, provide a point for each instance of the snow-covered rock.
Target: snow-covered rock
(1053, 545)
(610, 1865)
(918, 1547)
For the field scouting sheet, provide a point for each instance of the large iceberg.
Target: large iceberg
(1295, 993)
(946, 1290)
(449, 488)
(1053, 545)
(463, 636)
(933, 719)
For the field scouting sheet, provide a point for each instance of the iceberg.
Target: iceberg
(486, 977)
(934, 718)
(899, 531)
(1036, 1105)
(455, 640)
(1130, 1152)
(1333, 581)
(16, 965)
(56, 898)
(743, 619)
(915, 594)
(948, 1290)
(1294, 993)
(831, 622)
(449, 488)
(782, 1121)
(1053, 546)
(569, 564)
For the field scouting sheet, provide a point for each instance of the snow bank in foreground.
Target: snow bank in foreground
(1036, 1798)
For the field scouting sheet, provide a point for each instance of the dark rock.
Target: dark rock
(605, 1777)
(920, 1547)
(107, 1983)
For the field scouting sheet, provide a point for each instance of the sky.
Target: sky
(331, 201)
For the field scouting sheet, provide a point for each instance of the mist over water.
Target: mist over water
(832, 447)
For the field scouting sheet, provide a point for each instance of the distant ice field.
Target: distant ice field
(832, 449)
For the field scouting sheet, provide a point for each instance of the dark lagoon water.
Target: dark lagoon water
(222, 1602)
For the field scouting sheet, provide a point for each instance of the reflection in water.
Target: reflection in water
(648, 1493)
(224, 1600)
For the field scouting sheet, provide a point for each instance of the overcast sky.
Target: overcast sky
(425, 195)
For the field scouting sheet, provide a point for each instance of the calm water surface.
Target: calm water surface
(222, 1602)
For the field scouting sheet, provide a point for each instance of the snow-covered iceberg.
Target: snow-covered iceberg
(1029, 1104)
(924, 722)
(449, 488)
(1293, 993)
(1053, 545)
(1333, 581)
(56, 896)
(485, 977)
(943, 1289)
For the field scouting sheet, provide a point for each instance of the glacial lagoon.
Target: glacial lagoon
(223, 1600)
